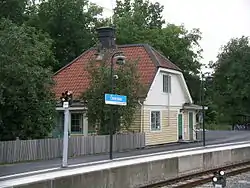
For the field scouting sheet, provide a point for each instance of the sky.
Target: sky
(218, 20)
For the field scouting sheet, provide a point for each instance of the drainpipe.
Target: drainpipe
(142, 113)
(168, 109)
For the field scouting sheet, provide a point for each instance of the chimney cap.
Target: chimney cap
(106, 37)
(108, 28)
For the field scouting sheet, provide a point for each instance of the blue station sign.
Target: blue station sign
(114, 99)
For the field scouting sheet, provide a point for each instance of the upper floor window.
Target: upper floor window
(166, 83)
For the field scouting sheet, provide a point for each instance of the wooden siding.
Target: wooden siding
(51, 148)
(168, 132)
(136, 125)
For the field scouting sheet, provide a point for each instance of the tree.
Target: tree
(182, 48)
(231, 78)
(142, 22)
(26, 103)
(13, 10)
(71, 25)
(133, 18)
(126, 84)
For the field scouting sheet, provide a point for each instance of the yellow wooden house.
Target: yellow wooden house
(166, 114)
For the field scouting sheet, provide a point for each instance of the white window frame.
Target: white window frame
(160, 128)
(80, 120)
(166, 88)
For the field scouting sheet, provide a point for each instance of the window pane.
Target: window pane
(152, 117)
(169, 84)
(76, 123)
(157, 114)
(166, 83)
(152, 120)
(155, 120)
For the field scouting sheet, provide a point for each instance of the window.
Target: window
(76, 123)
(166, 83)
(155, 120)
(59, 121)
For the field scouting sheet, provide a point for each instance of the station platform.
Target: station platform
(137, 171)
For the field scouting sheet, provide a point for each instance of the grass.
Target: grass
(219, 127)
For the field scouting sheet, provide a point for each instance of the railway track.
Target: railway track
(199, 178)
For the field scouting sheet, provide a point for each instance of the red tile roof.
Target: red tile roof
(74, 77)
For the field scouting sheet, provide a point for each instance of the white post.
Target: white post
(66, 134)
(85, 125)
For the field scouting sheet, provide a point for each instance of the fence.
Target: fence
(44, 149)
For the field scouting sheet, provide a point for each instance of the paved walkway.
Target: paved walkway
(11, 169)
(40, 165)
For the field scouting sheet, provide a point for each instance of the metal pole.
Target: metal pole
(65, 137)
(111, 115)
(203, 113)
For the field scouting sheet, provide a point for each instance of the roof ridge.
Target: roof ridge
(132, 45)
(93, 48)
(75, 78)
(149, 49)
(164, 57)
(151, 54)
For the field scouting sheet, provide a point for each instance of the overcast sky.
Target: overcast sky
(218, 20)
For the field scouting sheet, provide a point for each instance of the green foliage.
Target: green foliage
(64, 29)
(71, 25)
(141, 22)
(13, 10)
(134, 19)
(211, 113)
(231, 78)
(126, 84)
(26, 102)
(141, 13)
(219, 127)
(182, 48)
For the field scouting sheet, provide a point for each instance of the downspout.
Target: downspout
(142, 113)
(168, 108)
(169, 89)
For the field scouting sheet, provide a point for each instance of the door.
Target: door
(191, 125)
(180, 127)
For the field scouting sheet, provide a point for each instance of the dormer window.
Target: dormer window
(166, 83)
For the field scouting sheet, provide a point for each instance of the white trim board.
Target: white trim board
(71, 108)
(155, 131)
(162, 107)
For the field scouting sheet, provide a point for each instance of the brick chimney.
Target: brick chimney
(106, 36)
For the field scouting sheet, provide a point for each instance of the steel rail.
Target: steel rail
(199, 178)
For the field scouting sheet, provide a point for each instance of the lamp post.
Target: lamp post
(106, 37)
(202, 100)
(203, 110)
(66, 99)
(120, 60)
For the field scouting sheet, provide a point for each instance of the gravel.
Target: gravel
(239, 181)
